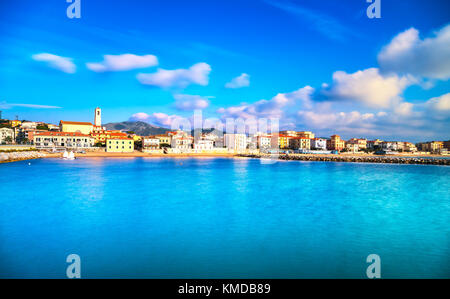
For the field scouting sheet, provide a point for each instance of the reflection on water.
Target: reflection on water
(210, 217)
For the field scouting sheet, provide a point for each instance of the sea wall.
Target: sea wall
(17, 156)
(358, 159)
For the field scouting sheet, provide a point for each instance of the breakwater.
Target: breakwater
(356, 159)
(19, 156)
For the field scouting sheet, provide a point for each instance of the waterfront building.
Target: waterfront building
(120, 145)
(352, 147)
(409, 147)
(164, 140)
(7, 136)
(432, 146)
(101, 135)
(374, 144)
(319, 144)
(335, 143)
(362, 143)
(300, 143)
(73, 127)
(63, 140)
(150, 142)
(306, 134)
(389, 145)
(264, 141)
(182, 142)
(236, 142)
(283, 141)
(204, 145)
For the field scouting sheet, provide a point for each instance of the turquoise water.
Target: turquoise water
(223, 218)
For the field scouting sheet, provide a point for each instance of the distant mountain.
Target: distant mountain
(139, 127)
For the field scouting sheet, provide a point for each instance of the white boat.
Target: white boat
(68, 156)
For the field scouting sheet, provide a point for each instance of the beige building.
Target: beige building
(120, 145)
(306, 134)
(164, 139)
(7, 135)
(335, 143)
(298, 143)
(361, 143)
(63, 140)
(73, 127)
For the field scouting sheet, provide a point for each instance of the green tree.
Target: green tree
(43, 127)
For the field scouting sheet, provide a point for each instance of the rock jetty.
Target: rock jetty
(357, 159)
(19, 156)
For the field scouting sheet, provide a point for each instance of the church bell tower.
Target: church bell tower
(98, 117)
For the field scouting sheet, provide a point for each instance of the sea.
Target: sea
(223, 218)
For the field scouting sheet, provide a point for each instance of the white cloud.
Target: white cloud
(367, 87)
(190, 102)
(140, 116)
(438, 108)
(123, 62)
(270, 108)
(5, 105)
(407, 53)
(241, 81)
(158, 119)
(439, 104)
(196, 74)
(63, 64)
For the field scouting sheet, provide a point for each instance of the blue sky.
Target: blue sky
(316, 65)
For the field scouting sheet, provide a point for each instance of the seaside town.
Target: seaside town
(85, 137)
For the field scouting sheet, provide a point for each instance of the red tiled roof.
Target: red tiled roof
(76, 123)
(70, 134)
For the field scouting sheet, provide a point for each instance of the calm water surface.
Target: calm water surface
(223, 218)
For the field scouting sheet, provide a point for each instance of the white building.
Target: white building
(63, 140)
(236, 142)
(6, 135)
(204, 145)
(29, 125)
(389, 145)
(150, 142)
(181, 143)
(264, 141)
(318, 144)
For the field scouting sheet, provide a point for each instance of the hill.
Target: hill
(139, 127)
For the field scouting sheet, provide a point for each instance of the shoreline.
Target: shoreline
(355, 158)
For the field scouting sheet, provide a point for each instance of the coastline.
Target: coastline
(354, 158)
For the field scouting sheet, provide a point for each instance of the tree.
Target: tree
(43, 127)
(138, 145)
